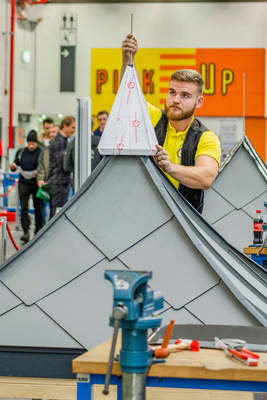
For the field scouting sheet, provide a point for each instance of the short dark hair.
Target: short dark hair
(66, 121)
(48, 121)
(189, 75)
(102, 112)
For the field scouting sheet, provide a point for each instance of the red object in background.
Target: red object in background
(11, 76)
(10, 215)
(1, 148)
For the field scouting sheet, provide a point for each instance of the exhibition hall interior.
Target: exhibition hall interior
(133, 200)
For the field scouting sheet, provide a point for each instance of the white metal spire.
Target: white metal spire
(129, 130)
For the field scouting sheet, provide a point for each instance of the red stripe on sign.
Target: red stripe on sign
(162, 101)
(164, 78)
(163, 90)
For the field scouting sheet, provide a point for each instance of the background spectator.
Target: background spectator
(102, 118)
(44, 138)
(43, 169)
(58, 179)
(26, 161)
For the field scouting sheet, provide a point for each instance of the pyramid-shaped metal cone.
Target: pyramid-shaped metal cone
(129, 130)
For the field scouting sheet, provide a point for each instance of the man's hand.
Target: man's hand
(129, 46)
(162, 159)
(12, 166)
(200, 176)
(40, 183)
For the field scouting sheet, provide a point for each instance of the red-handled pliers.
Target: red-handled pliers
(234, 349)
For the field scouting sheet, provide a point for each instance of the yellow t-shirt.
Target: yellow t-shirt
(208, 145)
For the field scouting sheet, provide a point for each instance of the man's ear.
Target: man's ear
(200, 102)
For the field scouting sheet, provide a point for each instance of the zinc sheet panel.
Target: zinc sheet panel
(257, 203)
(120, 208)
(181, 316)
(215, 206)
(31, 327)
(219, 304)
(236, 228)
(176, 263)
(240, 181)
(7, 299)
(83, 307)
(57, 257)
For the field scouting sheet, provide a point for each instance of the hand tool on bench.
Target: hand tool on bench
(234, 348)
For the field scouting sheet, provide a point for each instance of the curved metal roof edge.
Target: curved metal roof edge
(230, 155)
(259, 162)
(251, 150)
(183, 220)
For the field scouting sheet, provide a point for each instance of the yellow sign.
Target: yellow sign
(222, 70)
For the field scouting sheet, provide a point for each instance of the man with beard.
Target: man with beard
(188, 153)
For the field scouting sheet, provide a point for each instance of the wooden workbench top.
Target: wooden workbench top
(205, 364)
(254, 250)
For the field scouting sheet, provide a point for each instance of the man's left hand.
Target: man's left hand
(162, 159)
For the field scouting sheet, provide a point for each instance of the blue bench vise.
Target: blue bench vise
(133, 305)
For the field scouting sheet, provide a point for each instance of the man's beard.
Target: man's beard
(173, 116)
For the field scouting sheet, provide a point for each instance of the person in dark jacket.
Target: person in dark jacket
(69, 159)
(58, 179)
(43, 169)
(26, 161)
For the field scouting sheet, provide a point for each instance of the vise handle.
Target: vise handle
(119, 312)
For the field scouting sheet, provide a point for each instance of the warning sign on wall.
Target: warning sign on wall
(222, 70)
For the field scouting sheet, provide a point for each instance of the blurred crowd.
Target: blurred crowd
(46, 167)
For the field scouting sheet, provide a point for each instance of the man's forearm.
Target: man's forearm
(192, 176)
(200, 176)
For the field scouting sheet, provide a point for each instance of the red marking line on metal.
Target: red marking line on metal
(122, 96)
(120, 146)
(114, 144)
(129, 134)
(131, 86)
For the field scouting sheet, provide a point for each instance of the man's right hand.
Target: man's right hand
(12, 166)
(129, 46)
(40, 183)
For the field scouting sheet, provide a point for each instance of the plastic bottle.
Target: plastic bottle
(257, 228)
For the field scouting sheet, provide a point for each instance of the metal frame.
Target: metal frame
(85, 385)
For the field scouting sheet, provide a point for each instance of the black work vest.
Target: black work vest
(194, 196)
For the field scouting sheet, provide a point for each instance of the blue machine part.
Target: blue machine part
(131, 291)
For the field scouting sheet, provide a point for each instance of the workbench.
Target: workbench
(252, 252)
(208, 369)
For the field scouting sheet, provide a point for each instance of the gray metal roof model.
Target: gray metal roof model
(127, 215)
(239, 189)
